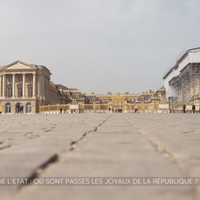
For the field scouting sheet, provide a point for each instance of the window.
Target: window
(142, 98)
(8, 108)
(28, 108)
(30, 92)
(30, 78)
(159, 94)
(10, 92)
(10, 78)
(20, 92)
(68, 96)
(20, 78)
(93, 99)
(77, 96)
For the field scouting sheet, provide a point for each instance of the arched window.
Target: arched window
(28, 108)
(77, 96)
(159, 94)
(93, 99)
(8, 108)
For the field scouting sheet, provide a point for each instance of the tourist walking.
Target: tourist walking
(184, 108)
(193, 108)
(21, 108)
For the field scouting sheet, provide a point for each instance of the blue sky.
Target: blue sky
(100, 45)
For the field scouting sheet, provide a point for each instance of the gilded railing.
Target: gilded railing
(143, 106)
(58, 107)
(94, 107)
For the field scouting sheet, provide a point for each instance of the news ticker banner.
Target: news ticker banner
(102, 181)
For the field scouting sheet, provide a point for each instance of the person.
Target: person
(184, 107)
(109, 109)
(21, 108)
(61, 111)
(193, 108)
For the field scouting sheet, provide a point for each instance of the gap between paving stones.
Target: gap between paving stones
(55, 158)
(163, 151)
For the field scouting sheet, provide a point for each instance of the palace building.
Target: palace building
(28, 86)
(127, 102)
(24, 84)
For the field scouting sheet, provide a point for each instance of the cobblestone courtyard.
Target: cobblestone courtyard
(100, 145)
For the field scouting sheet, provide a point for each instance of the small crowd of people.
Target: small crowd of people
(20, 108)
(120, 110)
(193, 108)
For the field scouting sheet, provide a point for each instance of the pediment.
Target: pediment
(18, 65)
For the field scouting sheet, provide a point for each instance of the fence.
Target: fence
(94, 108)
(50, 109)
(142, 107)
(104, 108)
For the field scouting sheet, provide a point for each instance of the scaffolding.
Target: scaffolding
(186, 86)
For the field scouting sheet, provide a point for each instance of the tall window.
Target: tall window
(8, 108)
(10, 92)
(20, 92)
(10, 78)
(30, 92)
(20, 78)
(30, 78)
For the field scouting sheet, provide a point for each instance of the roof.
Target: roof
(178, 61)
(61, 87)
(31, 66)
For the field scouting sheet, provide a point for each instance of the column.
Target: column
(23, 94)
(0, 85)
(3, 89)
(13, 87)
(34, 85)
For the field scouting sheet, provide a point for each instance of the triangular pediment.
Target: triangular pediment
(19, 65)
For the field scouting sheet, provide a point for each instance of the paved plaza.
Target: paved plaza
(100, 145)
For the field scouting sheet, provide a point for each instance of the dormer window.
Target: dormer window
(159, 94)
(77, 96)
(93, 99)
(142, 98)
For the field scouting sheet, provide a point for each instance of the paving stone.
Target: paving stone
(125, 145)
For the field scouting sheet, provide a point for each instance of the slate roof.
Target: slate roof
(163, 92)
(146, 97)
(90, 97)
(61, 87)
